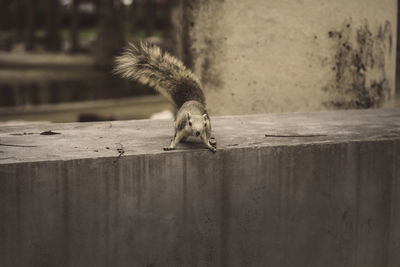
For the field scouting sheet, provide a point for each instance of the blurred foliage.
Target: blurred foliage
(81, 34)
(38, 23)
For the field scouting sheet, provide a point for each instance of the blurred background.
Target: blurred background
(56, 58)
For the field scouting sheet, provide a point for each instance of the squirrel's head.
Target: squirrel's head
(197, 124)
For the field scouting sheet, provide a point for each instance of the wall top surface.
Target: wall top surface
(25, 143)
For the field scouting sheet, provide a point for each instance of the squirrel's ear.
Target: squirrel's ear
(205, 116)
(189, 116)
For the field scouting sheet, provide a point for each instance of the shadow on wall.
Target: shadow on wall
(359, 79)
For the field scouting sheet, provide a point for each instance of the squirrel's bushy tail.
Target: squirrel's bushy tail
(150, 65)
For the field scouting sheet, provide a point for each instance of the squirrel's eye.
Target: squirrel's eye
(205, 124)
(190, 123)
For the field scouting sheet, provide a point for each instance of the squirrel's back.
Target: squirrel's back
(150, 65)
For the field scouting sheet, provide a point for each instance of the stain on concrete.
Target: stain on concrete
(358, 69)
(198, 42)
(208, 73)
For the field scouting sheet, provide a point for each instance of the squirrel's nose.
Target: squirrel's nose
(197, 133)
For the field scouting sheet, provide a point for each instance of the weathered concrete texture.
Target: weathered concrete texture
(259, 56)
(327, 196)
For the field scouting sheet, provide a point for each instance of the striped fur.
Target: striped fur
(148, 64)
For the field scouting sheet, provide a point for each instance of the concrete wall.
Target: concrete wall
(259, 56)
(329, 195)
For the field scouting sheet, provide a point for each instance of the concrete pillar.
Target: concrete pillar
(259, 56)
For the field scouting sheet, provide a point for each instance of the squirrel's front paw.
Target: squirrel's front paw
(212, 148)
(213, 142)
(167, 148)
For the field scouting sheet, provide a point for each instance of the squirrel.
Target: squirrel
(148, 64)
